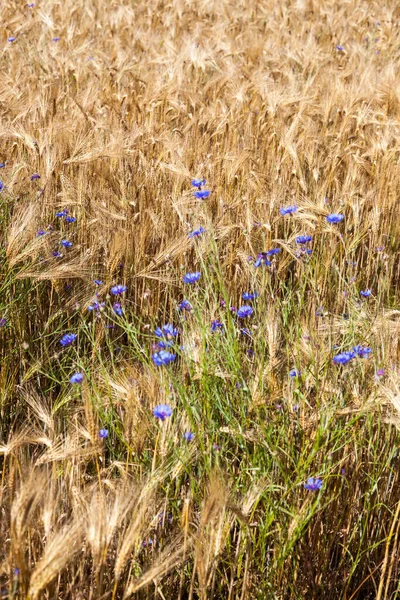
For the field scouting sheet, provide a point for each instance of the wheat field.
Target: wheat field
(199, 305)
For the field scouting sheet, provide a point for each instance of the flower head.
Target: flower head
(215, 325)
(56, 39)
(96, 306)
(62, 213)
(246, 332)
(98, 282)
(244, 311)
(70, 219)
(248, 296)
(335, 218)
(339, 48)
(191, 277)
(202, 194)
(343, 358)
(117, 308)
(288, 210)
(167, 331)
(313, 484)
(103, 434)
(262, 259)
(56, 254)
(76, 378)
(303, 239)
(119, 289)
(35, 176)
(198, 182)
(294, 373)
(188, 435)
(3, 322)
(68, 339)
(196, 232)
(66, 243)
(163, 358)
(362, 351)
(162, 411)
(185, 305)
(273, 251)
(11, 39)
(365, 293)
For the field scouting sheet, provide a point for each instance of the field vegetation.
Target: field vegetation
(199, 300)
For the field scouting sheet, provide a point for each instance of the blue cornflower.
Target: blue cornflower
(62, 213)
(185, 305)
(198, 182)
(2, 186)
(164, 517)
(362, 351)
(294, 373)
(201, 194)
(246, 332)
(11, 39)
(103, 434)
(215, 325)
(2, 165)
(76, 378)
(167, 331)
(56, 39)
(35, 176)
(339, 48)
(66, 243)
(365, 293)
(70, 219)
(163, 358)
(244, 311)
(41, 232)
(335, 218)
(288, 210)
(273, 252)
(303, 239)
(68, 339)
(163, 344)
(118, 289)
(191, 277)
(313, 484)
(56, 254)
(3, 322)
(162, 411)
(248, 296)
(188, 435)
(96, 306)
(343, 358)
(98, 282)
(320, 311)
(31, 5)
(196, 232)
(117, 308)
(262, 259)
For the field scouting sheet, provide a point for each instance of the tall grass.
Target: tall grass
(117, 106)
